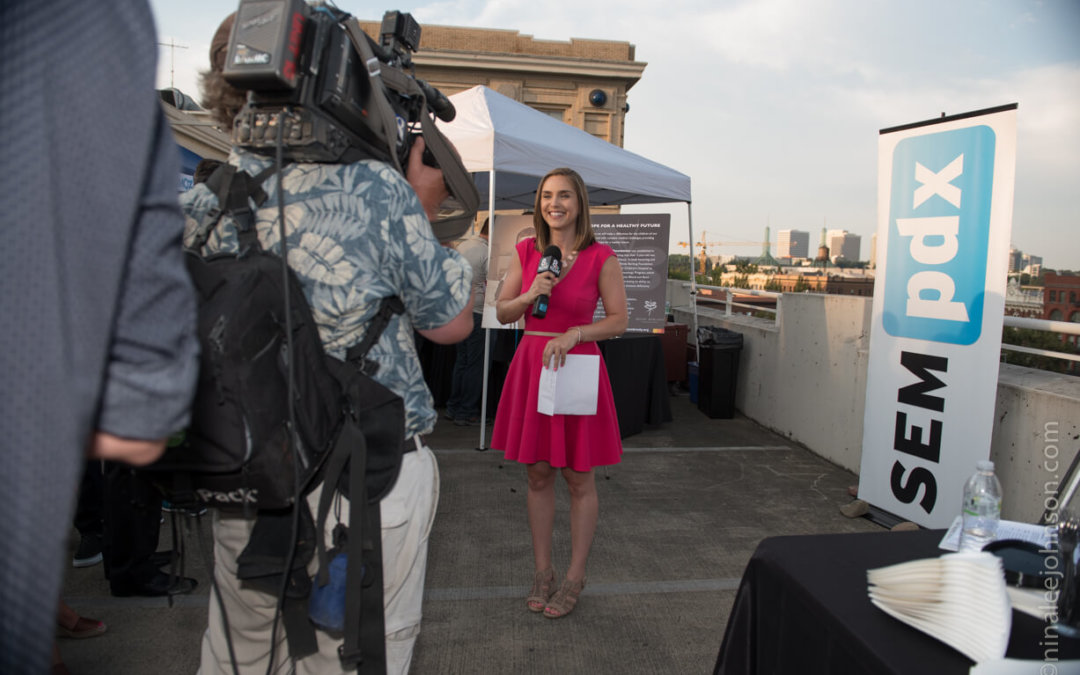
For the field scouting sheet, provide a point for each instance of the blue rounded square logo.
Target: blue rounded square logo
(939, 233)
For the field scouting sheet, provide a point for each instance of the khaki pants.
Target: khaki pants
(407, 515)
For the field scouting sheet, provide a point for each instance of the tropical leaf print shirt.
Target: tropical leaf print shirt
(356, 233)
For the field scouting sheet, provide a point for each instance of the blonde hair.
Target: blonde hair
(582, 228)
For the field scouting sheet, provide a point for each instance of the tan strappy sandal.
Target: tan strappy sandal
(542, 589)
(82, 627)
(564, 600)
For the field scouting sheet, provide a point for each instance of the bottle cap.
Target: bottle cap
(984, 465)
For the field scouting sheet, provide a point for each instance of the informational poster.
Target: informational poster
(505, 233)
(640, 241)
(945, 198)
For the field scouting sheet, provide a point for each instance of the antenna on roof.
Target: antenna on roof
(171, 44)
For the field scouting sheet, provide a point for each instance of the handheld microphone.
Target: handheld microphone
(551, 262)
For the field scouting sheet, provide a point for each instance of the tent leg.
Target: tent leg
(487, 331)
(693, 280)
(483, 396)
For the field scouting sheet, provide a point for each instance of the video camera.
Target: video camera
(315, 64)
(321, 90)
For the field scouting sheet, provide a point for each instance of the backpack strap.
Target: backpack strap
(357, 354)
(350, 437)
(233, 189)
(364, 643)
(365, 640)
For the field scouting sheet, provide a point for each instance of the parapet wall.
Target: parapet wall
(804, 377)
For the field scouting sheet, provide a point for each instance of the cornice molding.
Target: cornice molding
(629, 71)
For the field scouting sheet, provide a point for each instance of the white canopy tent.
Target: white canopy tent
(496, 134)
(509, 147)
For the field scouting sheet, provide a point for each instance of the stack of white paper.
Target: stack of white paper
(572, 389)
(1006, 529)
(958, 598)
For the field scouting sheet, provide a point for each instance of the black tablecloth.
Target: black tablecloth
(803, 608)
(437, 363)
(635, 365)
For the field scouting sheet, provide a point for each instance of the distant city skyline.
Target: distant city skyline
(792, 244)
(844, 244)
(773, 107)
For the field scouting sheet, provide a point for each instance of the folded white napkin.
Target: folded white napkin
(959, 598)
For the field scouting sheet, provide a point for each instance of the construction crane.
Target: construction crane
(703, 245)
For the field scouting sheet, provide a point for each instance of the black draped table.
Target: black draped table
(635, 365)
(803, 608)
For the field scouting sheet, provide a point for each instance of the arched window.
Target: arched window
(1075, 317)
(1055, 315)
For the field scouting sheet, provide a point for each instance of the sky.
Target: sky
(773, 107)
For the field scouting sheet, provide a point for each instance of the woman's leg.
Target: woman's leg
(584, 512)
(541, 506)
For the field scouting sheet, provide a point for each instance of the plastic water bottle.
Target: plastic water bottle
(982, 508)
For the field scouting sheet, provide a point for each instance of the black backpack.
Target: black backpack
(242, 453)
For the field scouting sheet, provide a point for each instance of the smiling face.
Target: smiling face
(559, 204)
(561, 211)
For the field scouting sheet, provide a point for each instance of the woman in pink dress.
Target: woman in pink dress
(573, 444)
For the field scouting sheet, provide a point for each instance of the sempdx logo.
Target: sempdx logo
(939, 233)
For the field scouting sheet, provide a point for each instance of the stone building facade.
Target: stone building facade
(581, 82)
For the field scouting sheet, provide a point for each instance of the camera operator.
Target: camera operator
(357, 232)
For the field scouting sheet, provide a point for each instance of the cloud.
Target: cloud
(625, 20)
(775, 34)
(1049, 116)
(773, 106)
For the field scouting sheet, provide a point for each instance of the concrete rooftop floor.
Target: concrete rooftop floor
(679, 518)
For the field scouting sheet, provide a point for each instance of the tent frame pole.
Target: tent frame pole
(487, 331)
(693, 278)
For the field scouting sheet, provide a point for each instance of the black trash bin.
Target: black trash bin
(719, 370)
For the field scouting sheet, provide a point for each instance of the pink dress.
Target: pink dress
(576, 441)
